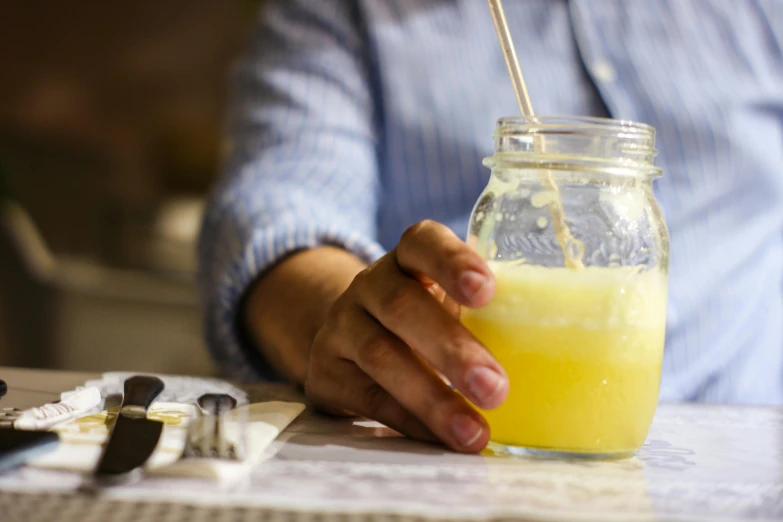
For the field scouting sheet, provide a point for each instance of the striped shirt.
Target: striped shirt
(353, 119)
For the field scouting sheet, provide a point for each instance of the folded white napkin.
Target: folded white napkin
(81, 440)
(72, 405)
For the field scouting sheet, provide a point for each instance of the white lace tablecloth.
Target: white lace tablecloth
(700, 463)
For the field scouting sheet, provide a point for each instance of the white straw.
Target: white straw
(572, 248)
(510, 55)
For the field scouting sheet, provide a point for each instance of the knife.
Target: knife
(16, 447)
(133, 437)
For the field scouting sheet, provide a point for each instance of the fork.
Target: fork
(206, 434)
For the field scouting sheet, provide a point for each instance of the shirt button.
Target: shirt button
(604, 72)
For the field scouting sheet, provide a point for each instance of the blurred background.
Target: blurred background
(110, 120)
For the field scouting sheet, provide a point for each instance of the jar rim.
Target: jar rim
(588, 143)
(559, 122)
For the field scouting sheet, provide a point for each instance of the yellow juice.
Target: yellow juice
(583, 351)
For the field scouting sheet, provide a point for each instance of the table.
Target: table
(700, 462)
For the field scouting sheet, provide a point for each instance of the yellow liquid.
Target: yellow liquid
(583, 351)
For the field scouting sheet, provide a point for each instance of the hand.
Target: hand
(389, 341)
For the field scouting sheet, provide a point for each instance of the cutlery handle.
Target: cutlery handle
(141, 390)
(216, 403)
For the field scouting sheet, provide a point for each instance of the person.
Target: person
(332, 250)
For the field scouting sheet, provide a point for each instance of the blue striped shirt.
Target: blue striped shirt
(353, 119)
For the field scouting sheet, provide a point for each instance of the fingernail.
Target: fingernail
(485, 384)
(466, 430)
(471, 283)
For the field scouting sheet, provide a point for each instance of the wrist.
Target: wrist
(286, 306)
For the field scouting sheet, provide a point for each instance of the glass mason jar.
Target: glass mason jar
(579, 313)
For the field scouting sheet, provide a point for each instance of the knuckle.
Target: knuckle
(376, 352)
(396, 304)
(360, 281)
(374, 399)
(461, 352)
(416, 230)
(365, 281)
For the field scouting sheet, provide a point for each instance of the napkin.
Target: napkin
(72, 405)
(81, 440)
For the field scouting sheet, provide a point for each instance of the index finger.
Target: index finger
(429, 249)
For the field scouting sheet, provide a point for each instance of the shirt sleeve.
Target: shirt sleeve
(302, 170)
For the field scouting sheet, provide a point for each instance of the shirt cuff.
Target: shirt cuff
(233, 352)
